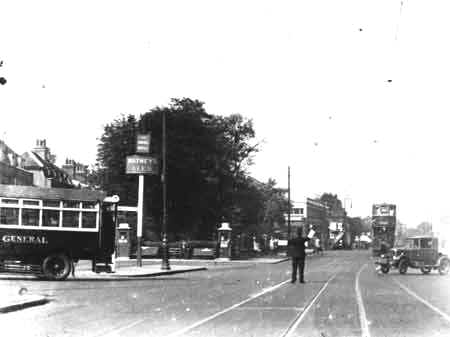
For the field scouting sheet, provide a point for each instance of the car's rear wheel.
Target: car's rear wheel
(425, 270)
(403, 266)
(56, 267)
(444, 267)
(385, 269)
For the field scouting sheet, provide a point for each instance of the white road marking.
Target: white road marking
(271, 308)
(209, 318)
(118, 331)
(417, 297)
(361, 310)
(291, 329)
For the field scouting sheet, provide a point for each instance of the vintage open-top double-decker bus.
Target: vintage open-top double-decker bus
(45, 230)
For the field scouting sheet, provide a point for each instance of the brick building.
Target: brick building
(41, 163)
(77, 172)
(11, 169)
(34, 168)
(310, 214)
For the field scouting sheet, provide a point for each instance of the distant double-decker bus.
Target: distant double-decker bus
(384, 219)
(44, 231)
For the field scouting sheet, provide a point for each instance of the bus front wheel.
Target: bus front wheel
(56, 267)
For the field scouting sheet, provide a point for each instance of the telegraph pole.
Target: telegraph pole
(289, 202)
(165, 256)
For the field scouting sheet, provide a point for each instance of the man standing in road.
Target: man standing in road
(296, 249)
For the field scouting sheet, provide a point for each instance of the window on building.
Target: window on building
(297, 211)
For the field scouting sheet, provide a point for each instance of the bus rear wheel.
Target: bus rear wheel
(56, 267)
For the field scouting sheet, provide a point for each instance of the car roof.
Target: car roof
(420, 237)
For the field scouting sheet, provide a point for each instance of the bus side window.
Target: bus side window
(89, 220)
(50, 218)
(71, 219)
(9, 216)
(30, 217)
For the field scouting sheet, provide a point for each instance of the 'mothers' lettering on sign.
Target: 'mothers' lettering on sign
(37, 240)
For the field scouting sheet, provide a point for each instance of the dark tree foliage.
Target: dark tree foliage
(262, 206)
(117, 142)
(207, 159)
(331, 200)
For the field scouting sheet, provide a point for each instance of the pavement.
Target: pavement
(17, 298)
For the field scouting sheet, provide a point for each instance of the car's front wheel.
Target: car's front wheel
(444, 267)
(385, 269)
(403, 266)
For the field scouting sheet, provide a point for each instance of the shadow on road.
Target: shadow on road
(97, 279)
(418, 275)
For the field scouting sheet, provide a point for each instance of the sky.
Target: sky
(351, 95)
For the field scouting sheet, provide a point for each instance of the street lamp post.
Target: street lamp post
(165, 256)
(289, 202)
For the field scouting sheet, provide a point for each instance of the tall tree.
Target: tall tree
(207, 158)
(331, 200)
(425, 228)
(117, 142)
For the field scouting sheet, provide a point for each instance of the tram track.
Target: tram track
(401, 305)
(298, 319)
(220, 313)
(298, 311)
(422, 300)
(211, 304)
(301, 312)
(288, 332)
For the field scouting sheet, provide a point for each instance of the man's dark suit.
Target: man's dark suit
(296, 249)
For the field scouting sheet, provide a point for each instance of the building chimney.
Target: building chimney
(43, 151)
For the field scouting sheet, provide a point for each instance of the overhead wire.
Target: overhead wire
(399, 18)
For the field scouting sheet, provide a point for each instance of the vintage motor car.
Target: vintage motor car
(420, 252)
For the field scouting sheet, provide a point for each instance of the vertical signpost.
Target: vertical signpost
(141, 164)
(140, 216)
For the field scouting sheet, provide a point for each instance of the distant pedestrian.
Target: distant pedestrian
(271, 244)
(296, 249)
(318, 246)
